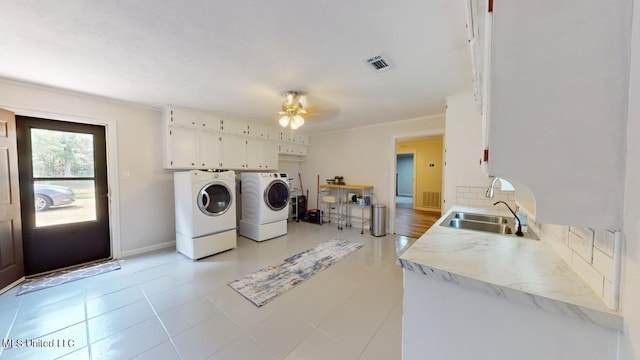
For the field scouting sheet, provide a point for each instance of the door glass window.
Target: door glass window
(215, 199)
(277, 195)
(63, 177)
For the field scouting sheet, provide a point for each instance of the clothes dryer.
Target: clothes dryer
(205, 212)
(265, 205)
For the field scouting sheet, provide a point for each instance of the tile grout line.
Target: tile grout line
(166, 331)
(13, 321)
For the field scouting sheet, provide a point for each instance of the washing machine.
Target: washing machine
(205, 212)
(265, 205)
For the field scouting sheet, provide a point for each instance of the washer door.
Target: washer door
(276, 195)
(214, 199)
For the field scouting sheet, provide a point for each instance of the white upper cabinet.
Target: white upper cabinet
(556, 106)
(183, 117)
(264, 132)
(198, 140)
(191, 149)
(232, 127)
(233, 152)
(209, 123)
(180, 148)
(262, 154)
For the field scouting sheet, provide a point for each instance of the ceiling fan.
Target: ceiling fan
(292, 110)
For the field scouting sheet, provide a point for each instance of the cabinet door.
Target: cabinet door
(264, 132)
(208, 150)
(209, 123)
(262, 154)
(270, 156)
(302, 150)
(178, 116)
(233, 152)
(231, 127)
(551, 127)
(181, 150)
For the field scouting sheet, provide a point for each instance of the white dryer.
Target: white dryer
(265, 205)
(205, 212)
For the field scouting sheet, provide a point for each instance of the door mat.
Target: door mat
(264, 285)
(66, 276)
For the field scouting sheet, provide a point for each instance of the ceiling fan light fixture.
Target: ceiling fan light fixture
(284, 121)
(292, 108)
(296, 122)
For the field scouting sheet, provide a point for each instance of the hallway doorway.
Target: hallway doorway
(418, 185)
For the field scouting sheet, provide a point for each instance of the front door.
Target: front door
(11, 263)
(63, 187)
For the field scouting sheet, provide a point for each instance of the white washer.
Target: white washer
(265, 205)
(205, 212)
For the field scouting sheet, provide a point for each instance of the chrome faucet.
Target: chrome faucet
(519, 231)
(489, 192)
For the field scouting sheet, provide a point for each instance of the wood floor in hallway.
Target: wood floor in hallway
(414, 223)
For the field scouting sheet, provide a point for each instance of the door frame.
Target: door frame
(393, 169)
(112, 164)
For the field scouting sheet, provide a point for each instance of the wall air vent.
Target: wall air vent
(380, 63)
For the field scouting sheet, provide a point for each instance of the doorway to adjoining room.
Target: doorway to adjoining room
(418, 184)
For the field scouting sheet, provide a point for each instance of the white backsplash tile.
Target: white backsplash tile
(603, 263)
(607, 292)
(604, 240)
(581, 241)
(563, 250)
(590, 275)
(589, 253)
(475, 196)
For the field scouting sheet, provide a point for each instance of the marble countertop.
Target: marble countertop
(520, 269)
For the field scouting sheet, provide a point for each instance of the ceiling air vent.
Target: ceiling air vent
(380, 63)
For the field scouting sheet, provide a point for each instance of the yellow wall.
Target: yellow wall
(427, 150)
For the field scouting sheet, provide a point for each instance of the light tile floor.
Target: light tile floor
(164, 306)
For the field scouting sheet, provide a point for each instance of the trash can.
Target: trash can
(378, 220)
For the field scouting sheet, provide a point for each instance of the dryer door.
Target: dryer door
(276, 195)
(214, 199)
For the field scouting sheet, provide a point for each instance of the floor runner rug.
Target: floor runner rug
(66, 276)
(264, 285)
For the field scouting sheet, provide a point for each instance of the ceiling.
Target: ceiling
(237, 58)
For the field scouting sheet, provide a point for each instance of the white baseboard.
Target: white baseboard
(12, 285)
(146, 249)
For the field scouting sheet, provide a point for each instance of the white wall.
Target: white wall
(364, 156)
(463, 145)
(146, 211)
(630, 291)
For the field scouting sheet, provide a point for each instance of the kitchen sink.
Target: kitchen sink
(479, 226)
(501, 225)
(482, 217)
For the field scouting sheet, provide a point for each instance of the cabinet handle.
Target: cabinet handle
(193, 164)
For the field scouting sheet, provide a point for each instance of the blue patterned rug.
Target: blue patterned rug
(264, 285)
(66, 276)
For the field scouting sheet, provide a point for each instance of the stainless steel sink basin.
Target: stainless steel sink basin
(482, 217)
(479, 226)
(502, 225)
